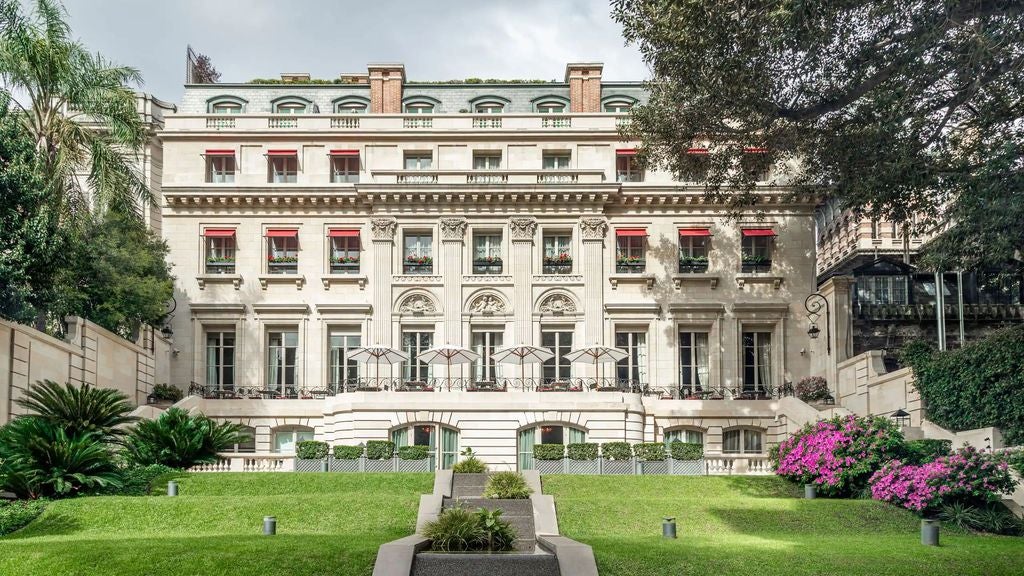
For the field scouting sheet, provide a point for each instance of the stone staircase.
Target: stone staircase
(467, 492)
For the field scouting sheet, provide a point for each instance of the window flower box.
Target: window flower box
(418, 264)
(487, 265)
(561, 264)
(753, 264)
(693, 264)
(629, 265)
(216, 265)
(282, 264)
(345, 265)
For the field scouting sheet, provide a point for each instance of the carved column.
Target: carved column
(592, 232)
(521, 231)
(382, 235)
(453, 235)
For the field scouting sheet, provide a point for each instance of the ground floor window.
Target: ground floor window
(414, 344)
(285, 439)
(343, 369)
(741, 441)
(248, 444)
(694, 362)
(757, 361)
(484, 344)
(546, 434)
(632, 368)
(559, 342)
(684, 435)
(446, 453)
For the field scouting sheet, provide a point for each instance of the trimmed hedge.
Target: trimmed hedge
(616, 451)
(380, 449)
(924, 451)
(348, 452)
(549, 451)
(582, 451)
(413, 452)
(311, 450)
(650, 451)
(979, 385)
(686, 450)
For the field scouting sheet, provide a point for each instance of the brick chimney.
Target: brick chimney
(584, 79)
(386, 82)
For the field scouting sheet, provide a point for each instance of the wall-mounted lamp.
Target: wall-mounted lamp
(813, 304)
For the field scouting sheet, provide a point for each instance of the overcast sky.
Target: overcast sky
(435, 40)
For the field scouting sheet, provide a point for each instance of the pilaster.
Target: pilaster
(593, 232)
(382, 235)
(521, 233)
(453, 238)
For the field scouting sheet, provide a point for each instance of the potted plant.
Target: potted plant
(487, 265)
(220, 264)
(628, 263)
(558, 264)
(416, 264)
(693, 263)
(349, 264)
(756, 263)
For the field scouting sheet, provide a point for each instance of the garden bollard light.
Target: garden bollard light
(172, 488)
(269, 525)
(929, 532)
(810, 491)
(668, 527)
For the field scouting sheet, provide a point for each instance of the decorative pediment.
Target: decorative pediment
(488, 303)
(417, 304)
(557, 303)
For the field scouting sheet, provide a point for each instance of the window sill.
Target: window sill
(679, 279)
(744, 279)
(204, 279)
(266, 279)
(646, 279)
(343, 278)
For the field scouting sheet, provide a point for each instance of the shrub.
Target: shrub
(79, 409)
(650, 451)
(166, 392)
(813, 389)
(180, 440)
(380, 449)
(967, 476)
(138, 480)
(413, 452)
(549, 451)
(1016, 460)
(40, 459)
(16, 515)
(616, 451)
(978, 385)
(838, 455)
(960, 515)
(470, 464)
(507, 486)
(459, 530)
(582, 451)
(686, 450)
(311, 450)
(348, 452)
(924, 451)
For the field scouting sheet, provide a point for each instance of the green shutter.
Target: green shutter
(449, 447)
(400, 437)
(526, 442)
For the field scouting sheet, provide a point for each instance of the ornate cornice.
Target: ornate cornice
(453, 229)
(383, 229)
(593, 228)
(522, 229)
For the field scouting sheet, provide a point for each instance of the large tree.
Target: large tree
(79, 108)
(904, 110)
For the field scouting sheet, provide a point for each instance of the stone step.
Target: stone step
(507, 507)
(464, 492)
(470, 480)
(475, 564)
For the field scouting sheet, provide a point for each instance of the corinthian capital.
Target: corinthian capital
(522, 228)
(453, 228)
(383, 229)
(593, 228)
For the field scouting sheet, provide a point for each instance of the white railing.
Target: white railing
(556, 122)
(248, 463)
(487, 122)
(347, 122)
(282, 122)
(220, 465)
(417, 122)
(417, 178)
(622, 121)
(218, 123)
(726, 465)
(557, 178)
(486, 178)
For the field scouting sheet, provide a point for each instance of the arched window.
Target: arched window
(742, 441)
(445, 452)
(419, 108)
(554, 433)
(617, 106)
(550, 107)
(248, 444)
(688, 435)
(225, 105)
(489, 108)
(285, 438)
(351, 105)
(291, 105)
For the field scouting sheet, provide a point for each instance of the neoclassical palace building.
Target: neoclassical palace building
(306, 220)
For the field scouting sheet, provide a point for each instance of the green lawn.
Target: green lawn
(758, 526)
(328, 524)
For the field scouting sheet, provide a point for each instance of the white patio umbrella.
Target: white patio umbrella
(521, 354)
(447, 355)
(378, 355)
(596, 354)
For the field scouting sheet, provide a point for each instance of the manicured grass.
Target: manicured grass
(328, 524)
(758, 526)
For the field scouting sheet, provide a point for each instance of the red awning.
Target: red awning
(697, 151)
(342, 233)
(626, 152)
(631, 232)
(282, 153)
(754, 150)
(694, 232)
(220, 152)
(758, 232)
(219, 232)
(282, 233)
(344, 153)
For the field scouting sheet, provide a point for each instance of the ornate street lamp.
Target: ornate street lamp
(901, 417)
(813, 304)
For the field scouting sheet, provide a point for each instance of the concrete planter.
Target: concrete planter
(582, 466)
(424, 465)
(686, 467)
(352, 465)
(653, 467)
(310, 465)
(549, 466)
(618, 466)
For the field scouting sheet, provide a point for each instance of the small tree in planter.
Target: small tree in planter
(649, 451)
(616, 451)
(686, 451)
(812, 389)
(581, 451)
(311, 450)
(549, 451)
(347, 452)
(380, 450)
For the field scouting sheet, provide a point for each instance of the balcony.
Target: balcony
(693, 265)
(419, 266)
(345, 266)
(417, 122)
(755, 265)
(220, 123)
(417, 178)
(487, 122)
(488, 266)
(283, 265)
(278, 123)
(345, 123)
(220, 266)
(599, 122)
(488, 177)
(557, 266)
(630, 266)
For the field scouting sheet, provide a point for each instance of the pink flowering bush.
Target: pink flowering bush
(966, 476)
(838, 455)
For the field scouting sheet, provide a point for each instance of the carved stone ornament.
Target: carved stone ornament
(453, 229)
(522, 228)
(383, 228)
(417, 304)
(487, 304)
(593, 228)
(558, 304)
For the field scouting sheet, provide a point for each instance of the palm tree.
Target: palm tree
(78, 107)
(180, 440)
(81, 409)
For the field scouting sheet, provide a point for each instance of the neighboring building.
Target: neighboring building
(305, 220)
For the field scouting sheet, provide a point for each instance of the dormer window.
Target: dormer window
(225, 105)
(291, 108)
(291, 105)
(617, 106)
(419, 108)
(351, 105)
(550, 108)
(490, 108)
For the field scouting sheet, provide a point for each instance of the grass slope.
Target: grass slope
(758, 526)
(328, 524)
